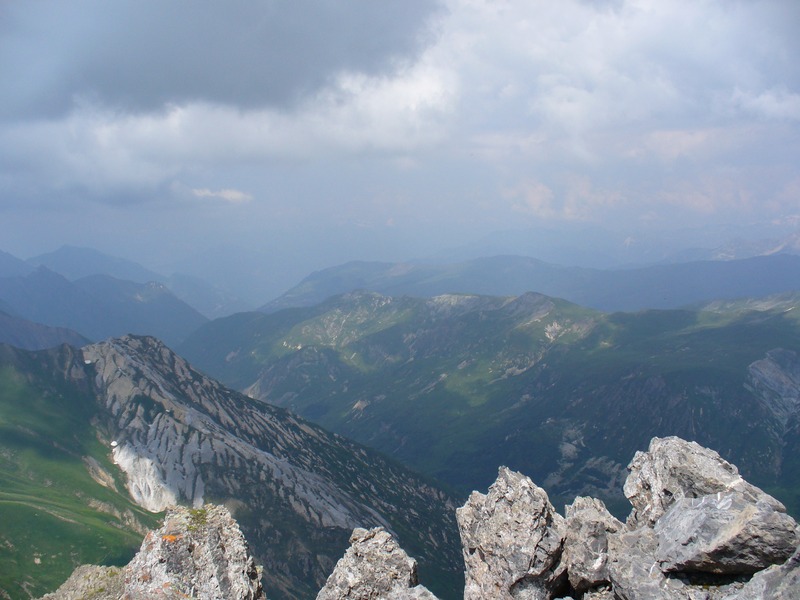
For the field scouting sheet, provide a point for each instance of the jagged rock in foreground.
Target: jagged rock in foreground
(589, 525)
(722, 533)
(512, 540)
(374, 567)
(781, 582)
(673, 469)
(197, 553)
(697, 531)
(515, 546)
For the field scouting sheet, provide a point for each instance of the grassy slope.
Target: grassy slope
(55, 516)
(443, 396)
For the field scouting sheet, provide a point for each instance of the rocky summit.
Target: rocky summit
(697, 531)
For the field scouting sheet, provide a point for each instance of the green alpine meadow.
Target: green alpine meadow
(455, 385)
(62, 500)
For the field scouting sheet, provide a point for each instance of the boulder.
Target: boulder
(374, 567)
(197, 553)
(90, 582)
(724, 533)
(673, 469)
(585, 555)
(780, 582)
(634, 572)
(512, 540)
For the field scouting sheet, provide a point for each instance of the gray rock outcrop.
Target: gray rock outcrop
(512, 540)
(780, 582)
(673, 469)
(197, 553)
(724, 533)
(90, 582)
(374, 567)
(585, 557)
(697, 531)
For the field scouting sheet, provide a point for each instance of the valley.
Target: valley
(101, 434)
(455, 385)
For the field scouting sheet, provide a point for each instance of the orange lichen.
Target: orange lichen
(170, 538)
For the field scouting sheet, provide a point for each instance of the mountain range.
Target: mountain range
(657, 286)
(99, 306)
(456, 384)
(450, 370)
(95, 441)
(76, 263)
(29, 335)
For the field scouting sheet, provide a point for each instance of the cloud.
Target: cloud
(771, 104)
(576, 107)
(101, 150)
(228, 195)
(139, 55)
(576, 199)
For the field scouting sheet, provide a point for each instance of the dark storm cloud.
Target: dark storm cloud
(214, 119)
(140, 55)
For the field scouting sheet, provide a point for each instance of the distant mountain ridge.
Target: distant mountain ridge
(99, 306)
(456, 384)
(659, 286)
(35, 336)
(76, 263)
(11, 266)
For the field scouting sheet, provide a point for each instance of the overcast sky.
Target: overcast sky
(326, 130)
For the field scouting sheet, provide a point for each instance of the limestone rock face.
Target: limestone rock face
(197, 553)
(780, 582)
(181, 437)
(90, 582)
(374, 567)
(673, 469)
(723, 533)
(633, 571)
(512, 540)
(588, 527)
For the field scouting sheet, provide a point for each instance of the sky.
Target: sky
(302, 134)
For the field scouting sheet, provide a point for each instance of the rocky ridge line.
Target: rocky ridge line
(697, 531)
(297, 490)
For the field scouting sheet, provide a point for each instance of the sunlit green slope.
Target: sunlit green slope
(58, 491)
(456, 385)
